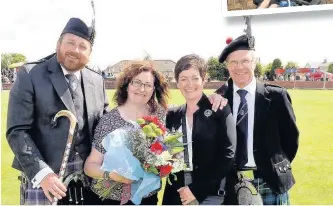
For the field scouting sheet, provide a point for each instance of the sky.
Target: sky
(166, 29)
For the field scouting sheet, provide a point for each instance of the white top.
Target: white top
(189, 141)
(250, 98)
(47, 170)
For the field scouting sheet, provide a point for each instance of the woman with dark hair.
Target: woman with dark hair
(141, 91)
(210, 138)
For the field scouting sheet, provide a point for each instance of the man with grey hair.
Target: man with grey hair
(267, 134)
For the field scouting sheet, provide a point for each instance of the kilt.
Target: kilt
(270, 197)
(36, 196)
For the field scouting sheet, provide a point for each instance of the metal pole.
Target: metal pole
(295, 78)
(324, 87)
(324, 70)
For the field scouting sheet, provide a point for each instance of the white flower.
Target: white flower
(166, 155)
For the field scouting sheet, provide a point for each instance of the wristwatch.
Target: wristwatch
(106, 175)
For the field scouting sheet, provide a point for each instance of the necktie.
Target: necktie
(242, 132)
(77, 96)
(78, 99)
(73, 84)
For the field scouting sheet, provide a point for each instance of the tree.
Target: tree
(258, 70)
(18, 58)
(291, 65)
(216, 70)
(267, 69)
(11, 58)
(275, 65)
(6, 60)
(330, 68)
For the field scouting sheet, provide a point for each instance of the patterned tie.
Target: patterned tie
(242, 132)
(78, 100)
(73, 83)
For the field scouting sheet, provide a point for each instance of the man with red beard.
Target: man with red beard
(267, 134)
(59, 82)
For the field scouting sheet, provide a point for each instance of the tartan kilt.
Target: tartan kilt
(36, 196)
(270, 197)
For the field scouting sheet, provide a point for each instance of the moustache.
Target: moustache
(73, 55)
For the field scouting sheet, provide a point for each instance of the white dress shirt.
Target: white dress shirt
(189, 141)
(250, 98)
(47, 170)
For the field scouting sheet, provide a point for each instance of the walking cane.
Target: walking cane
(71, 132)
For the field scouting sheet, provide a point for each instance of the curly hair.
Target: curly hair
(134, 68)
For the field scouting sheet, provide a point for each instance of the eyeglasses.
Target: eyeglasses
(72, 45)
(235, 63)
(138, 84)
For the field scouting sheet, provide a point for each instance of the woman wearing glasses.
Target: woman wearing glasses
(138, 88)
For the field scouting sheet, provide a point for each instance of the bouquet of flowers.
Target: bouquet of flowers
(144, 153)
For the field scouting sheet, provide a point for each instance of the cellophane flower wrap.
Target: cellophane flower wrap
(144, 153)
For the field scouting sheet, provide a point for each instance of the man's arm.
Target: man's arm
(106, 101)
(288, 130)
(228, 142)
(20, 119)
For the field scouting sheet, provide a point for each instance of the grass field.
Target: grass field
(313, 166)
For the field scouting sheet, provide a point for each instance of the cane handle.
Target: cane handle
(70, 137)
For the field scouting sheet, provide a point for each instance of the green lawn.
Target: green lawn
(313, 166)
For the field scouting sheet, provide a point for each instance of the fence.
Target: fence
(111, 84)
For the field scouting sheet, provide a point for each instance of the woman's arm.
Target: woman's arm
(93, 164)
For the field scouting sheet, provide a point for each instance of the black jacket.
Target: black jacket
(214, 145)
(275, 135)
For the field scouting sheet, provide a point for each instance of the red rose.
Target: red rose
(165, 170)
(156, 148)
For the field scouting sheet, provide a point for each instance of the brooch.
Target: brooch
(208, 112)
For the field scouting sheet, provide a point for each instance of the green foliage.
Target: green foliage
(275, 65)
(266, 70)
(258, 70)
(216, 70)
(291, 65)
(330, 68)
(11, 58)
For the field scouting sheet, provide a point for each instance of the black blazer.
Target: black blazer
(275, 137)
(214, 145)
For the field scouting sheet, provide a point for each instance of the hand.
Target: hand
(186, 196)
(217, 101)
(118, 178)
(51, 185)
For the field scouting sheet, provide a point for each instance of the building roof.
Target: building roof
(316, 64)
(161, 65)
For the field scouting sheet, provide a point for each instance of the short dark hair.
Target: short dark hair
(188, 61)
(134, 68)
